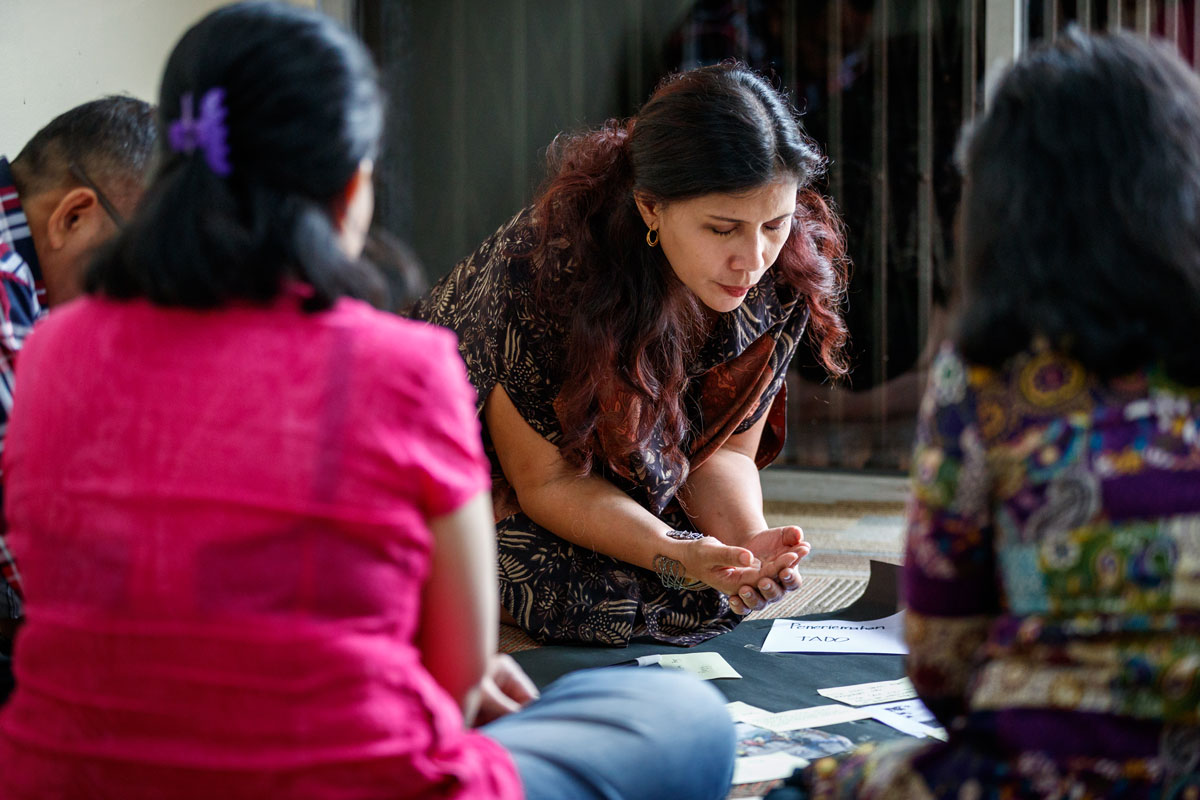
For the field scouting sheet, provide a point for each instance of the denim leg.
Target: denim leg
(622, 734)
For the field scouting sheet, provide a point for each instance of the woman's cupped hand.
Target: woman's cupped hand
(759, 571)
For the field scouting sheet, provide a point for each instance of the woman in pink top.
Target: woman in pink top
(253, 513)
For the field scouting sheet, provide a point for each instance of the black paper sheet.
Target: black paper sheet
(773, 681)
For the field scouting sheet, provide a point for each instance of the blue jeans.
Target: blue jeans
(622, 734)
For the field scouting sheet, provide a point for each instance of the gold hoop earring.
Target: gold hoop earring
(652, 237)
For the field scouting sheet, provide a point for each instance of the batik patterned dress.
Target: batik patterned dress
(1052, 576)
(558, 591)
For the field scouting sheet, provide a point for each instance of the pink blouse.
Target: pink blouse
(220, 517)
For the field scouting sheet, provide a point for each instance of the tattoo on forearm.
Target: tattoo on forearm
(671, 572)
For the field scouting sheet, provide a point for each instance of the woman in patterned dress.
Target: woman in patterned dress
(628, 336)
(253, 513)
(1052, 570)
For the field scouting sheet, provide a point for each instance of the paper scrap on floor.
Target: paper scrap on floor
(741, 712)
(707, 666)
(870, 694)
(770, 767)
(782, 721)
(812, 717)
(877, 636)
(908, 716)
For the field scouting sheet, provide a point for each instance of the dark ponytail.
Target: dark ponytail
(302, 111)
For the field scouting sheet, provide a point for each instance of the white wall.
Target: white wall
(56, 54)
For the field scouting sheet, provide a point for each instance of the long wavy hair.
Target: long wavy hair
(633, 327)
(1081, 214)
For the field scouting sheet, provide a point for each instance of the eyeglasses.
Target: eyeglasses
(81, 176)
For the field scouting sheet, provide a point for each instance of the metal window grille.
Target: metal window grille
(480, 87)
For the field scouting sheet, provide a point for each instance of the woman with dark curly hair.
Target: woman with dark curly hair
(628, 337)
(253, 513)
(1052, 572)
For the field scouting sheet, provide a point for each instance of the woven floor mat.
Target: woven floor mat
(816, 595)
(514, 640)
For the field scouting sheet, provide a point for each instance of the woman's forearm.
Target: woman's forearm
(460, 603)
(723, 498)
(588, 511)
(593, 513)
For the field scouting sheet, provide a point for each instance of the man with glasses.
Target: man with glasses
(67, 192)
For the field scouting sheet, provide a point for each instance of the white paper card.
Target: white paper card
(909, 716)
(869, 694)
(903, 724)
(744, 712)
(708, 666)
(880, 636)
(913, 709)
(814, 717)
(770, 767)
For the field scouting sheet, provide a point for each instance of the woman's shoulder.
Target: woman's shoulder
(1042, 375)
(953, 378)
(1035, 387)
(389, 349)
(519, 249)
(509, 246)
(415, 340)
(90, 317)
(60, 330)
(408, 361)
(501, 281)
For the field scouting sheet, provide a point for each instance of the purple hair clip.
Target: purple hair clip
(206, 131)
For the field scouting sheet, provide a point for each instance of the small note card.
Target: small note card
(707, 666)
(783, 721)
(814, 717)
(744, 712)
(755, 769)
(869, 694)
(908, 716)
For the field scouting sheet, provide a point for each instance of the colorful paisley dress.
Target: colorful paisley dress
(558, 591)
(1052, 575)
